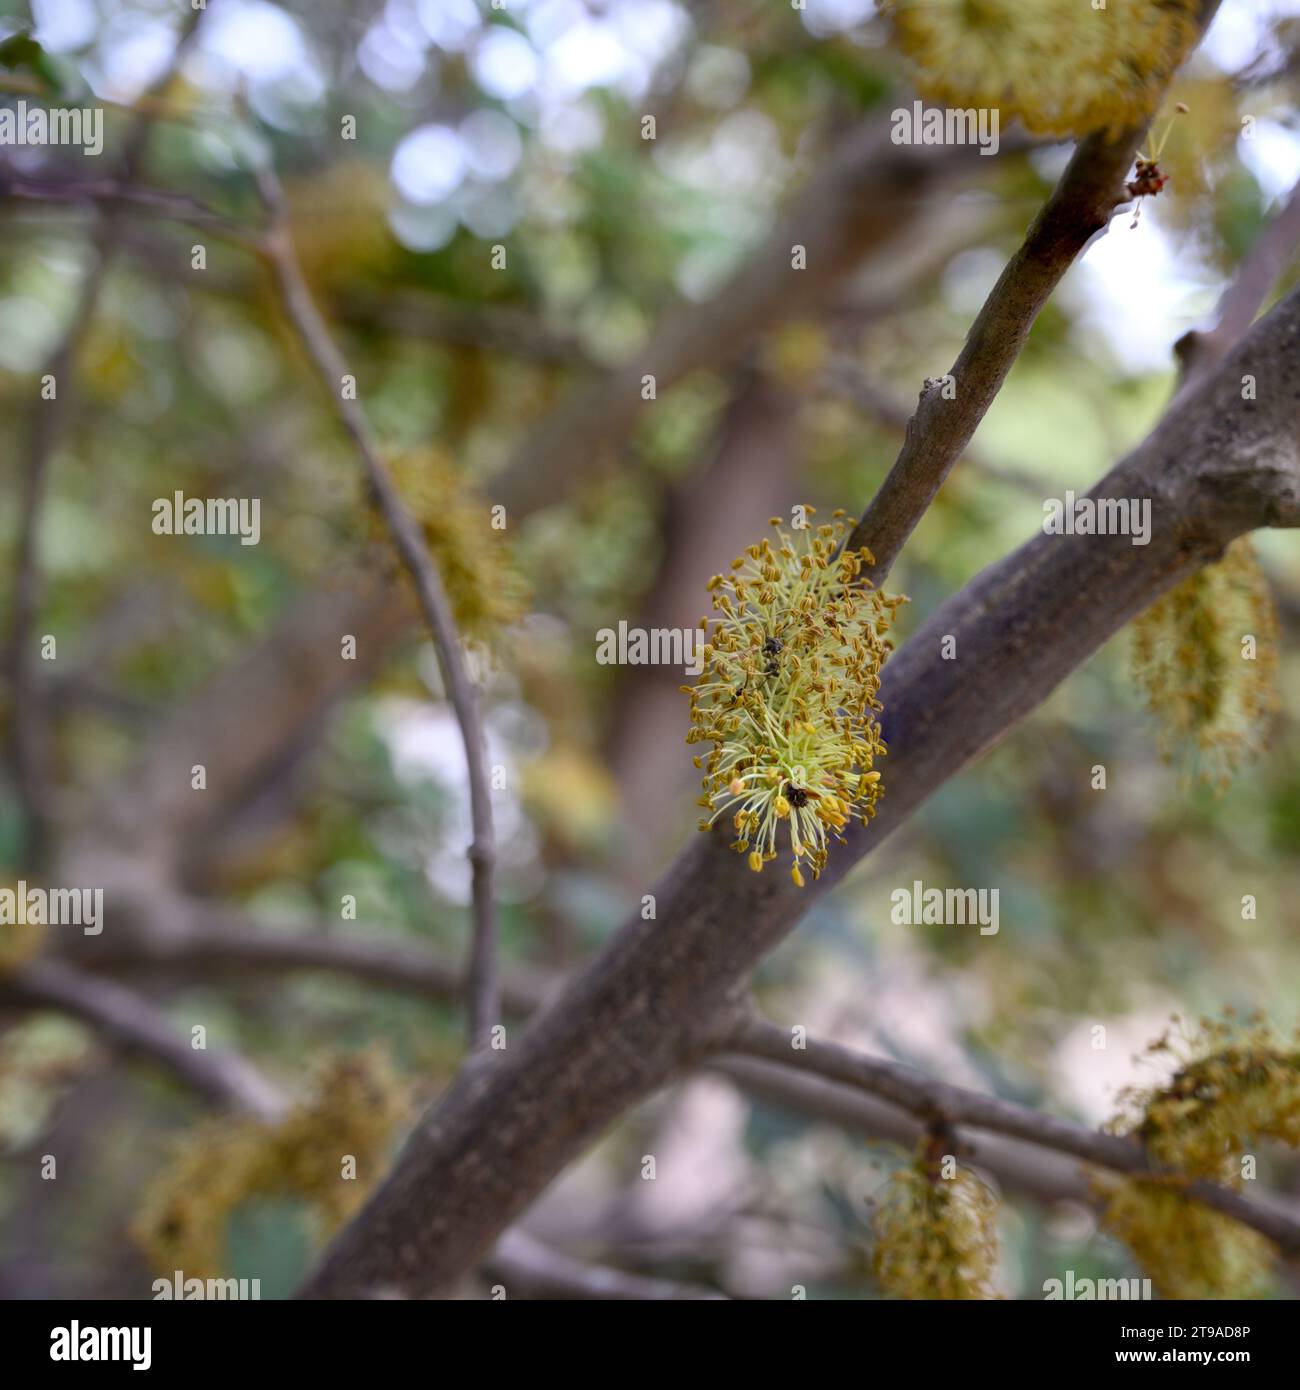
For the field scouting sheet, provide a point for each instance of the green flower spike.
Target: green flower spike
(787, 695)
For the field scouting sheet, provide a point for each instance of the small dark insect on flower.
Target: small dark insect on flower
(770, 649)
(800, 796)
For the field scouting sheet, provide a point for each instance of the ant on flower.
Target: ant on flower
(1148, 180)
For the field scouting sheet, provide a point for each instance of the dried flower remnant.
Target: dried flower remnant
(1190, 658)
(1149, 179)
(788, 693)
(936, 1237)
(1062, 67)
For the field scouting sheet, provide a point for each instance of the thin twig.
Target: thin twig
(846, 383)
(936, 1101)
(131, 1021)
(204, 939)
(549, 1272)
(482, 985)
(213, 939)
(121, 195)
(951, 408)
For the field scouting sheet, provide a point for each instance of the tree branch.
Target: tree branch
(1042, 1175)
(206, 940)
(132, 1022)
(301, 312)
(845, 382)
(946, 418)
(938, 1102)
(543, 1270)
(950, 412)
(120, 195)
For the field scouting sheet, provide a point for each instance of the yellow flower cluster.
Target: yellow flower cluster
(1205, 656)
(1186, 1249)
(486, 592)
(787, 695)
(936, 1237)
(1062, 66)
(1235, 1085)
(354, 1106)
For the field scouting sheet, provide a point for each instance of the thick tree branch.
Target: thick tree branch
(651, 1002)
(301, 311)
